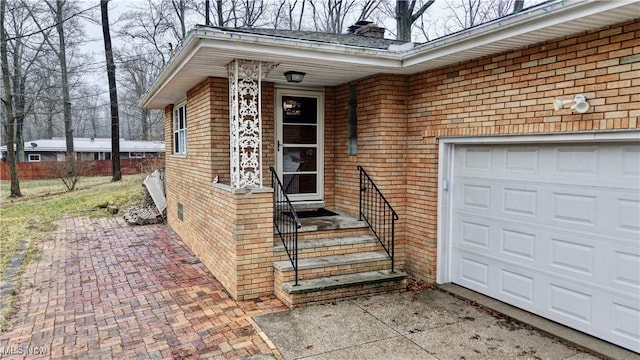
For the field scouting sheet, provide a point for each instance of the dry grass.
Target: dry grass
(45, 201)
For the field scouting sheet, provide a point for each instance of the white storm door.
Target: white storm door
(299, 143)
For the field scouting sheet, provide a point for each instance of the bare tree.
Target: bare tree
(62, 56)
(368, 8)
(25, 52)
(88, 121)
(286, 14)
(331, 14)
(113, 93)
(406, 16)
(252, 12)
(137, 75)
(468, 13)
(146, 25)
(8, 103)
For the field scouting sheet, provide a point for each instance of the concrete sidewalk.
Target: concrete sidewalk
(429, 324)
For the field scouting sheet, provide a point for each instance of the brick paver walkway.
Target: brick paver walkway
(101, 289)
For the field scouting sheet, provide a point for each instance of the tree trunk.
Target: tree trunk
(62, 55)
(144, 118)
(18, 100)
(49, 134)
(517, 6)
(8, 103)
(113, 94)
(219, 11)
(405, 17)
(403, 20)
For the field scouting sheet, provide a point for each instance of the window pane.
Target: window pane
(299, 159)
(176, 143)
(183, 142)
(299, 134)
(300, 183)
(296, 109)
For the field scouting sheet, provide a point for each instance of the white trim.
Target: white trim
(182, 150)
(445, 164)
(319, 95)
(587, 136)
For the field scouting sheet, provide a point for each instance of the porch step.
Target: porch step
(341, 287)
(332, 261)
(341, 281)
(330, 246)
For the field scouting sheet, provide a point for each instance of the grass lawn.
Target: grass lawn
(44, 201)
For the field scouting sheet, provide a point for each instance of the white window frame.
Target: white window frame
(180, 129)
(36, 158)
(136, 155)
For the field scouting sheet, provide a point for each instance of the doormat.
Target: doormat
(312, 213)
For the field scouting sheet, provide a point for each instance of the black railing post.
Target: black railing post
(373, 206)
(360, 189)
(287, 227)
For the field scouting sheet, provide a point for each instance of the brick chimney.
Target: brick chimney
(367, 28)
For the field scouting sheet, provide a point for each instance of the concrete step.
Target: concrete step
(340, 287)
(330, 261)
(331, 242)
(341, 281)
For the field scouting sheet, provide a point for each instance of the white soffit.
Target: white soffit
(206, 51)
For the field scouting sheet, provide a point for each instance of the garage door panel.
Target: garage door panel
(577, 160)
(522, 159)
(624, 219)
(520, 202)
(626, 322)
(572, 304)
(630, 162)
(474, 272)
(518, 244)
(626, 272)
(553, 229)
(563, 164)
(594, 210)
(572, 256)
(517, 285)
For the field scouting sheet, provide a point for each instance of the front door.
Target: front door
(299, 143)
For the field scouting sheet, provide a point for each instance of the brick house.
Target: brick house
(493, 188)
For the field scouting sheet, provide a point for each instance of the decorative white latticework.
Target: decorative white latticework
(245, 121)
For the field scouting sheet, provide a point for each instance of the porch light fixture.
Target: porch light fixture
(294, 76)
(580, 104)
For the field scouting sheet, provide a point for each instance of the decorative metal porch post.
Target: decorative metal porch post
(245, 121)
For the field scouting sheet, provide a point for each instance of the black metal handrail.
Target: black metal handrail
(376, 211)
(285, 221)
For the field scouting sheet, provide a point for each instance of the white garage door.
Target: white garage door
(553, 229)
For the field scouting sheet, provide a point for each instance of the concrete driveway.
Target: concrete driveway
(102, 290)
(429, 324)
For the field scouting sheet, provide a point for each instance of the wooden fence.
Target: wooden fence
(40, 170)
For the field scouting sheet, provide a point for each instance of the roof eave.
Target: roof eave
(514, 26)
(536, 25)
